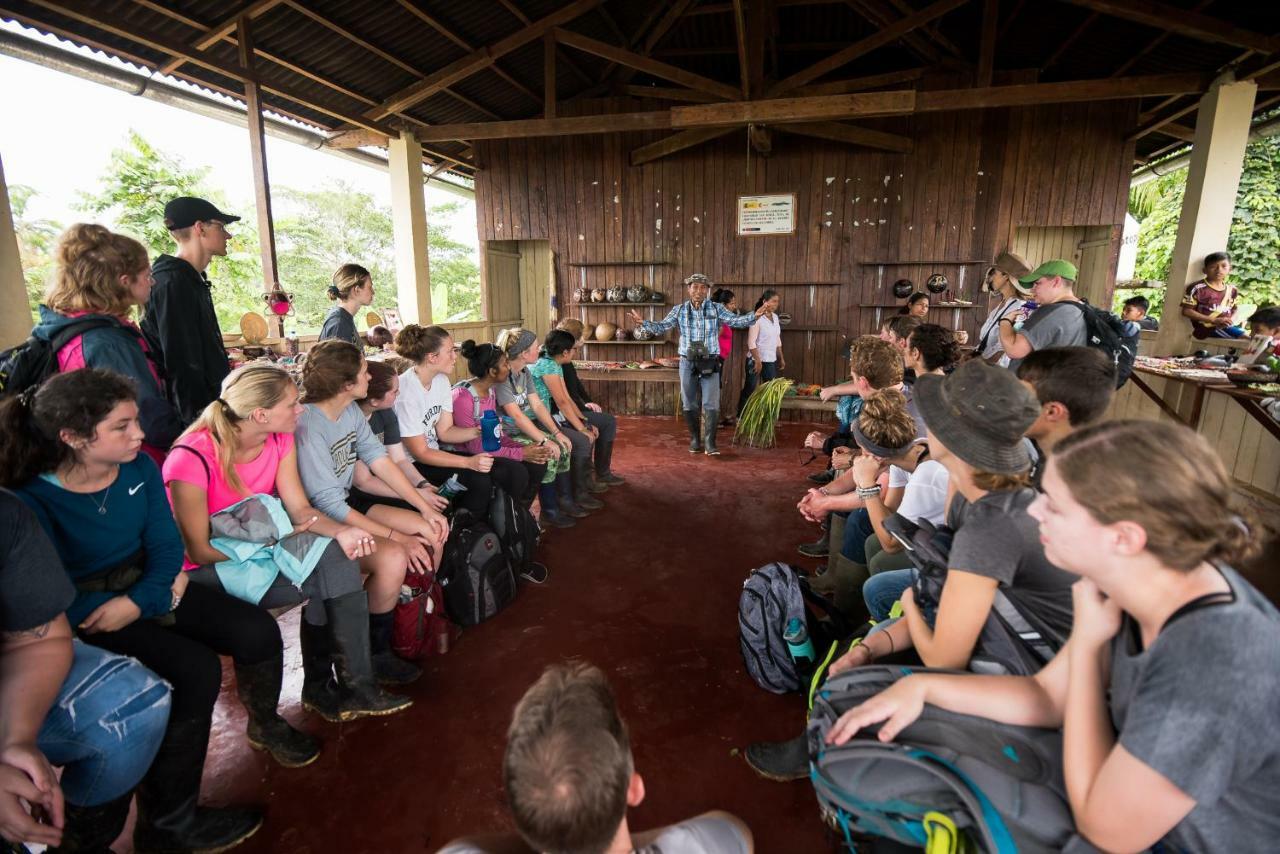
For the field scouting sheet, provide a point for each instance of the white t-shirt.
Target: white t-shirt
(765, 335)
(418, 409)
(925, 496)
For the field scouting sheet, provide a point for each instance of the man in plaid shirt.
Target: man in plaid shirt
(699, 320)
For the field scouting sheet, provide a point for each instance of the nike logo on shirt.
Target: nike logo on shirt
(135, 489)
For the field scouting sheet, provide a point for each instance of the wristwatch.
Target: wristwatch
(865, 492)
(422, 484)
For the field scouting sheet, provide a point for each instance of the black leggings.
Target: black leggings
(208, 623)
(518, 478)
(479, 487)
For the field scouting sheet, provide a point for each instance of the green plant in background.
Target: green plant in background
(757, 427)
(36, 240)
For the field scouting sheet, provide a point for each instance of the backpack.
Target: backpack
(30, 363)
(975, 783)
(420, 619)
(1012, 642)
(515, 527)
(771, 596)
(1107, 333)
(474, 572)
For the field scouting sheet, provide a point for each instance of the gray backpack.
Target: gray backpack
(998, 786)
(771, 597)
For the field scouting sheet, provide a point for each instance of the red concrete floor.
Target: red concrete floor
(648, 590)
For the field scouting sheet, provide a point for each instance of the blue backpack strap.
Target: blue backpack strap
(995, 824)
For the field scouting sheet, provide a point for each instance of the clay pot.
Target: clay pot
(622, 335)
(641, 334)
(581, 295)
(936, 284)
(637, 293)
(605, 331)
(588, 333)
(616, 294)
(597, 294)
(903, 288)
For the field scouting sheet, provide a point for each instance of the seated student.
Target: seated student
(351, 289)
(101, 275)
(70, 451)
(98, 715)
(1210, 303)
(1135, 311)
(1074, 386)
(931, 349)
(569, 777)
(1167, 690)
(1266, 321)
(605, 423)
(425, 411)
(243, 445)
(548, 382)
(519, 405)
(332, 435)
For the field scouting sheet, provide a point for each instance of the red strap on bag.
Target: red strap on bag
(420, 626)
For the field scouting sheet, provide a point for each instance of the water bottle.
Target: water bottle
(490, 431)
(451, 487)
(798, 643)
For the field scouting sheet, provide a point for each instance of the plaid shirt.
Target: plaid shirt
(700, 324)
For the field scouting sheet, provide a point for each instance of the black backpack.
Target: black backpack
(474, 572)
(35, 360)
(1106, 332)
(516, 528)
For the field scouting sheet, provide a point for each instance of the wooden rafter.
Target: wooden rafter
(568, 62)
(860, 84)
(885, 36)
(1075, 91)
(1194, 25)
(224, 28)
(569, 126)
(548, 76)
(676, 142)
(1153, 44)
(740, 29)
(258, 161)
(780, 110)
(668, 93)
(1069, 41)
(987, 43)
(851, 135)
(440, 28)
(654, 67)
(655, 30)
(881, 16)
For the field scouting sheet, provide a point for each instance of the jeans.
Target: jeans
(856, 530)
(697, 390)
(580, 452)
(879, 560)
(881, 591)
(607, 426)
(768, 371)
(1227, 332)
(106, 725)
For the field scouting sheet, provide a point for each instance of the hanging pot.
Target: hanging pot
(936, 284)
(903, 288)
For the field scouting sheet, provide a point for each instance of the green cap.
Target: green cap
(1058, 267)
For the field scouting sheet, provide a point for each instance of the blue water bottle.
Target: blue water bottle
(490, 431)
(798, 644)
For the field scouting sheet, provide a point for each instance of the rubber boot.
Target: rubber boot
(709, 419)
(169, 817)
(567, 506)
(781, 761)
(842, 584)
(320, 693)
(695, 431)
(353, 663)
(582, 489)
(551, 514)
(91, 830)
(259, 688)
(822, 548)
(388, 668)
(604, 463)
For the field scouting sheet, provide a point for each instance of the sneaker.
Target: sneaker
(535, 573)
(819, 549)
(822, 477)
(780, 761)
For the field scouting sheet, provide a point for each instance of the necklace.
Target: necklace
(102, 508)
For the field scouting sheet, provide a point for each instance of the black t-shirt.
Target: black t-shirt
(577, 391)
(34, 588)
(386, 426)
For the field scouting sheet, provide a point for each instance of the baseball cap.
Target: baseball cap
(186, 211)
(698, 277)
(1057, 267)
(979, 413)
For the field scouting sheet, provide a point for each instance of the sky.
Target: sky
(66, 128)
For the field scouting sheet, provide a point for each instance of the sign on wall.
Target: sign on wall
(761, 215)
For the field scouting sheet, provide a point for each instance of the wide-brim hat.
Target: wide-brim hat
(979, 413)
(1015, 267)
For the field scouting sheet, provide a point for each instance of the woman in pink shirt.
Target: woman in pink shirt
(730, 300)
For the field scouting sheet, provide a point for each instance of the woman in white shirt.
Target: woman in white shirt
(1003, 279)
(764, 347)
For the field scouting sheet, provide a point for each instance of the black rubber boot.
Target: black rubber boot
(551, 514)
(594, 483)
(823, 477)
(695, 431)
(320, 693)
(91, 830)
(567, 505)
(582, 489)
(709, 419)
(388, 668)
(169, 817)
(353, 662)
(781, 761)
(259, 688)
(822, 547)
(604, 463)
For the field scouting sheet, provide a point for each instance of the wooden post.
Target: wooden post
(549, 76)
(1217, 159)
(261, 184)
(409, 225)
(15, 314)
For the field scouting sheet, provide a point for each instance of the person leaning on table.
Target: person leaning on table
(699, 320)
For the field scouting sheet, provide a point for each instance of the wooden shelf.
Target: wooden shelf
(789, 328)
(783, 284)
(631, 304)
(617, 263)
(918, 263)
(651, 343)
(932, 306)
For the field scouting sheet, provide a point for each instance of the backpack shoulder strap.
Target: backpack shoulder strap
(199, 456)
(75, 328)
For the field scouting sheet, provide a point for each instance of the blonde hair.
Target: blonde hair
(885, 420)
(877, 361)
(1166, 478)
(573, 326)
(90, 261)
(991, 481)
(347, 278)
(245, 389)
(508, 336)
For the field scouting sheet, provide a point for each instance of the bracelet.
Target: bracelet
(542, 441)
(422, 484)
(866, 492)
(823, 490)
(1007, 320)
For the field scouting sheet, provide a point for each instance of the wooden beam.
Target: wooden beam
(608, 123)
(1177, 131)
(477, 60)
(355, 139)
(740, 29)
(880, 15)
(859, 84)
(645, 64)
(1031, 94)
(885, 36)
(794, 109)
(548, 76)
(851, 134)
(676, 142)
(655, 33)
(1160, 121)
(1153, 44)
(258, 161)
(1070, 40)
(931, 31)
(568, 63)
(1193, 25)
(987, 43)
(668, 93)
(226, 27)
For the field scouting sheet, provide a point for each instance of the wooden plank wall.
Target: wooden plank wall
(864, 218)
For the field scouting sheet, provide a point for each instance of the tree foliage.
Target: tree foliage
(36, 238)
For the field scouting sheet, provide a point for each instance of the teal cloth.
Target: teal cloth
(253, 566)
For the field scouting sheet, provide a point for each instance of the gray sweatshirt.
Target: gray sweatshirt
(327, 454)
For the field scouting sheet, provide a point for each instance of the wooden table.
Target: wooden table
(1247, 398)
(811, 404)
(634, 375)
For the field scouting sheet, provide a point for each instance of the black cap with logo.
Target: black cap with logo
(186, 211)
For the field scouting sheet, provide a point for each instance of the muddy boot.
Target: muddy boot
(169, 817)
(91, 830)
(781, 761)
(822, 547)
(842, 584)
(388, 668)
(709, 418)
(550, 516)
(695, 431)
(320, 693)
(582, 489)
(567, 506)
(259, 688)
(352, 660)
(594, 483)
(604, 462)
